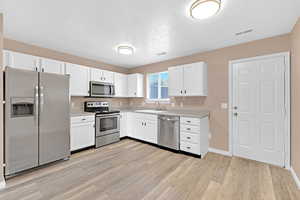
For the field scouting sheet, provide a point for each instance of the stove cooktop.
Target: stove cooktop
(105, 112)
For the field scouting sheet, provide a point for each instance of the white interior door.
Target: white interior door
(259, 112)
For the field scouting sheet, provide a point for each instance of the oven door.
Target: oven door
(107, 124)
(99, 89)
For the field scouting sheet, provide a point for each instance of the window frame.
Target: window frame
(159, 99)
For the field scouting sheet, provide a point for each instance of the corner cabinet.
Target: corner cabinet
(188, 80)
(79, 79)
(135, 85)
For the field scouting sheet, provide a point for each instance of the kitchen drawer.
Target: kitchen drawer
(82, 119)
(190, 129)
(188, 137)
(190, 121)
(107, 139)
(190, 147)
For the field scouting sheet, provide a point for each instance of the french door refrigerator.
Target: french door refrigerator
(37, 120)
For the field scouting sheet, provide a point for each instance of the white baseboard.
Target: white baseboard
(297, 180)
(218, 151)
(2, 185)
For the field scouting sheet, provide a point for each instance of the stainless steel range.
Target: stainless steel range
(107, 122)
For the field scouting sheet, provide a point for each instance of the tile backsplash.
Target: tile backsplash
(175, 103)
(77, 103)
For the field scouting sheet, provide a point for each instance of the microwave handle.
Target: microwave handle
(112, 90)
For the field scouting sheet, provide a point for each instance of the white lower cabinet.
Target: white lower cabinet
(143, 127)
(194, 135)
(82, 132)
(123, 124)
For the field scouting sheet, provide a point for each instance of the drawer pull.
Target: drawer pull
(83, 119)
(188, 147)
(188, 137)
(188, 121)
(188, 129)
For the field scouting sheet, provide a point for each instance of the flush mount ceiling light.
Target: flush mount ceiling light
(125, 49)
(202, 9)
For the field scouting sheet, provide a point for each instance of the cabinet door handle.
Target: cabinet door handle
(180, 91)
(184, 91)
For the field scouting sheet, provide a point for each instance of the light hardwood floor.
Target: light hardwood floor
(133, 170)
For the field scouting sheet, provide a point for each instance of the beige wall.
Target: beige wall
(295, 111)
(14, 45)
(1, 99)
(217, 80)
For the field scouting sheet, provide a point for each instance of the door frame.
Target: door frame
(287, 135)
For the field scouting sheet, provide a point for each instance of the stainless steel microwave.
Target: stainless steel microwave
(100, 89)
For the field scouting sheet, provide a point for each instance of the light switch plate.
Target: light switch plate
(224, 105)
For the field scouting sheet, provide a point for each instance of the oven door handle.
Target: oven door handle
(108, 116)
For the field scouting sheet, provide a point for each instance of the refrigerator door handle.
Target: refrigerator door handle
(36, 103)
(41, 98)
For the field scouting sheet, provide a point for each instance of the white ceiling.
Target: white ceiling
(93, 28)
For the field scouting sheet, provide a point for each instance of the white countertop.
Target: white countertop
(78, 114)
(181, 113)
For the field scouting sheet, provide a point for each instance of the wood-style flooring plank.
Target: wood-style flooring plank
(131, 170)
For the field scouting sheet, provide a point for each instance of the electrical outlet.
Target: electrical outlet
(209, 136)
(224, 105)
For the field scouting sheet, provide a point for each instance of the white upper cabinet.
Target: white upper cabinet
(21, 61)
(52, 66)
(101, 75)
(79, 79)
(121, 85)
(108, 76)
(135, 85)
(188, 80)
(195, 79)
(175, 81)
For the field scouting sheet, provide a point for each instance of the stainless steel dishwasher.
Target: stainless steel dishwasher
(168, 131)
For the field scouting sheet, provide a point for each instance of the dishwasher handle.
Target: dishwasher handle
(168, 119)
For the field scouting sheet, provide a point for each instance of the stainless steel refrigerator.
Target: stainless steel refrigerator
(37, 120)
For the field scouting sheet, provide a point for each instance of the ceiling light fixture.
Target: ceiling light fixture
(202, 9)
(125, 49)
